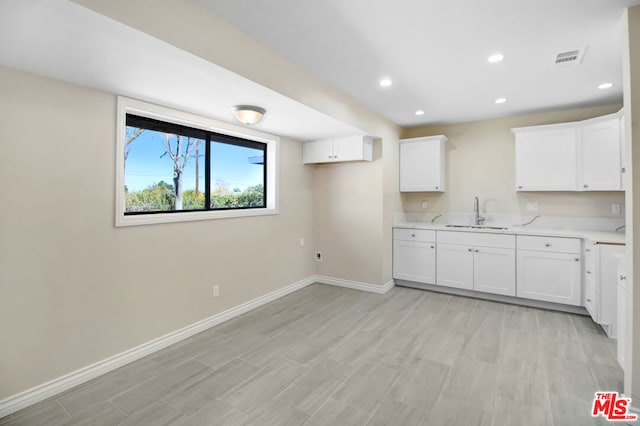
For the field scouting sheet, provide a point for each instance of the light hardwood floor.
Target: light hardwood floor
(331, 356)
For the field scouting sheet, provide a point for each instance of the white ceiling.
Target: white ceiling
(62, 40)
(436, 51)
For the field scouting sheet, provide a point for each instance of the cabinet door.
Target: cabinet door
(414, 261)
(455, 266)
(494, 270)
(601, 158)
(609, 259)
(548, 276)
(320, 151)
(421, 167)
(546, 160)
(348, 149)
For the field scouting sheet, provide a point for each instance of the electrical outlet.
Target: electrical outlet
(615, 208)
(532, 207)
(319, 256)
(301, 241)
(425, 204)
(216, 291)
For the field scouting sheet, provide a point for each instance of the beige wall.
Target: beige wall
(631, 77)
(348, 220)
(73, 288)
(480, 161)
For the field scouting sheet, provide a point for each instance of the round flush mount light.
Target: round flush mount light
(501, 100)
(385, 82)
(495, 58)
(419, 112)
(248, 114)
(605, 86)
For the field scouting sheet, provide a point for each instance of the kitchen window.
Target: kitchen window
(177, 167)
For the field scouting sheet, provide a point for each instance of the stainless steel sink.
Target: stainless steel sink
(500, 228)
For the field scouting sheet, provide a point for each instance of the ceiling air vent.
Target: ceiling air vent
(570, 57)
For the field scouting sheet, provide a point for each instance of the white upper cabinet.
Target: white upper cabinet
(422, 163)
(546, 159)
(349, 148)
(601, 156)
(580, 156)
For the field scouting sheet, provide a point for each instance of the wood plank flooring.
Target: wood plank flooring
(331, 356)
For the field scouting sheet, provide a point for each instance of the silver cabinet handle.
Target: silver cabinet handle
(585, 185)
(469, 249)
(577, 259)
(477, 251)
(622, 277)
(413, 235)
(433, 246)
(588, 300)
(520, 187)
(588, 250)
(547, 245)
(437, 187)
(588, 272)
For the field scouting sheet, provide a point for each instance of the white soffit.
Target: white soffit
(65, 41)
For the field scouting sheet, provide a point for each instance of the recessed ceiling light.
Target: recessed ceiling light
(605, 86)
(498, 57)
(419, 112)
(501, 100)
(385, 82)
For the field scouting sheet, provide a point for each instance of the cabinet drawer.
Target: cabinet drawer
(550, 244)
(425, 235)
(479, 239)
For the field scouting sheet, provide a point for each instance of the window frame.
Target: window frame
(156, 112)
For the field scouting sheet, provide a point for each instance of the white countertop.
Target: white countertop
(602, 237)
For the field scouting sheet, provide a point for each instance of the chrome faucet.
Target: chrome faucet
(478, 219)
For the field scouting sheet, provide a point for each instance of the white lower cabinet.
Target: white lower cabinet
(485, 263)
(455, 266)
(600, 281)
(414, 255)
(549, 269)
(494, 270)
(542, 268)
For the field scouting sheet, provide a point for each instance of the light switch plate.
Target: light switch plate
(425, 204)
(615, 208)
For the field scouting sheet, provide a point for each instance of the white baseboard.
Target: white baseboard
(356, 285)
(41, 392)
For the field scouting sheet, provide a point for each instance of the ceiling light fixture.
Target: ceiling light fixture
(604, 86)
(248, 114)
(501, 100)
(385, 82)
(419, 112)
(498, 57)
